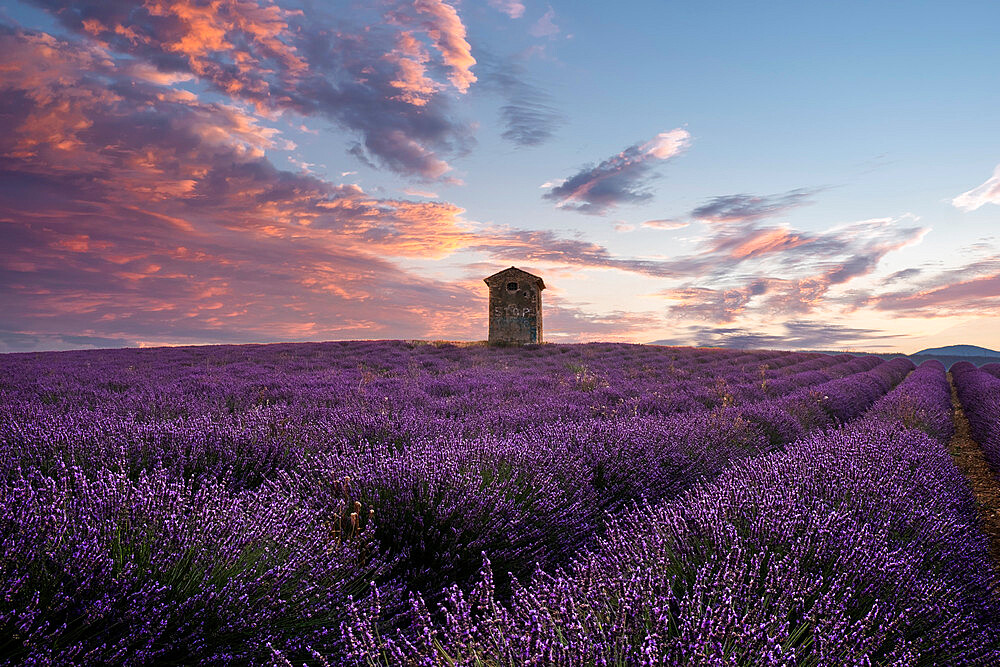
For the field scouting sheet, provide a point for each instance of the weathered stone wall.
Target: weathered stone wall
(515, 315)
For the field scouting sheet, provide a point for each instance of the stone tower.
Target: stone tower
(515, 307)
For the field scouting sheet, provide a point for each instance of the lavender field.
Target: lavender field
(407, 503)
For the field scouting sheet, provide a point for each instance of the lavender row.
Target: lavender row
(535, 499)
(733, 390)
(922, 401)
(792, 416)
(856, 546)
(241, 420)
(200, 381)
(979, 393)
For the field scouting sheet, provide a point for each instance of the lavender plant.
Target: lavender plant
(235, 504)
(853, 546)
(979, 393)
(993, 369)
(103, 569)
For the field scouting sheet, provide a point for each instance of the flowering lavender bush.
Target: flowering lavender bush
(226, 504)
(834, 402)
(921, 401)
(102, 569)
(979, 393)
(855, 546)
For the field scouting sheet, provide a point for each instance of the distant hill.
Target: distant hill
(957, 351)
(951, 354)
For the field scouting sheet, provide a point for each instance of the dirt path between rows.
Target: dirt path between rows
(971, 461)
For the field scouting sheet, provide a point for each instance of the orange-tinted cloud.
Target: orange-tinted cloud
(444, 27)
(374, 77)
(744, 266)
(132, 214)
(765, 241)
(410, 58)
(970, 289)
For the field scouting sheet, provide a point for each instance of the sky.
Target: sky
(764, 175)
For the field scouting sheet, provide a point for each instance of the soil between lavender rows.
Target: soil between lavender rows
(983, 479)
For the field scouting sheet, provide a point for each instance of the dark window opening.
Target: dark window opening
(511, 287)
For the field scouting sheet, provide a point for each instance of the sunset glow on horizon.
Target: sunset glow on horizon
(788, 176)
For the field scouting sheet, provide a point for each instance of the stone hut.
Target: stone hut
(515, 307)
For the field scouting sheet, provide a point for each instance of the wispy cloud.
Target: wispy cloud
(744, 265)
(413, 192)
(902, 275)
(527, 115)
(969, 289)
(842, 252)
(721, 305)
(795, 334)
(546, 25)
(987, 193)
(976, 296)
(665, 224)
(744, 207)
(619, 179)
(512, 8)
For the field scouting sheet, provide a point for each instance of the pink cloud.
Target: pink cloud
(665, 224)
(512, 8)
(375, 79)
(411, 58)
(136, 215)
(764, 241)
(446, 30)
(987, 193)
(620, 178)
(744, 267)
(714, 305)
(971, 289)
(545, 26)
